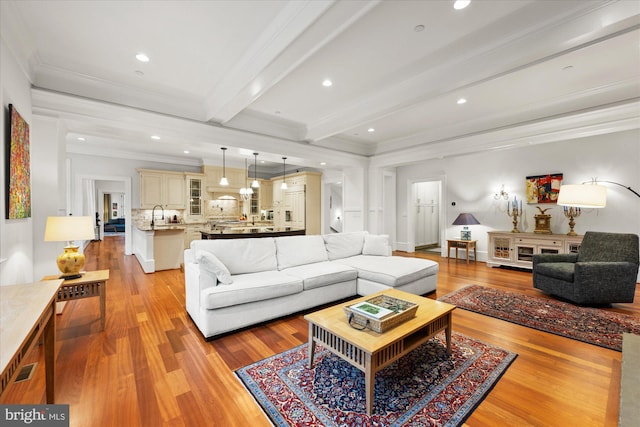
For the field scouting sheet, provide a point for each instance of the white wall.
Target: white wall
(471, 181)
(16, 236)
(49, 195)
(101, 167)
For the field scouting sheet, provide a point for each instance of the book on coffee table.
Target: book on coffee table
(371, 310)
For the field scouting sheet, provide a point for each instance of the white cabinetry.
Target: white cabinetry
(195, 188)
(517, 249)
(161, 188)
(191, 233)
(299, 205)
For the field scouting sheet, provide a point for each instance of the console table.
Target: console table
(27, 312)
(517, 249)
(91, 284)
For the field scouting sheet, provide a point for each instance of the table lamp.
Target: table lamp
(68, 229)
(575, 197)
(465, 219)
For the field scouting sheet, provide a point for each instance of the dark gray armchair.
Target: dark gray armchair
(603, 272)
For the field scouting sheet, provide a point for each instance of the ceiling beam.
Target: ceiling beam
(301, 29)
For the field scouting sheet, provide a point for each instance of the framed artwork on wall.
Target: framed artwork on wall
(543, 188)
(18, 167)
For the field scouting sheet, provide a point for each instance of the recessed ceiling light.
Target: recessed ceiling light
(323, 163)
(81, 139)
(461, 101)
(186, 151)
(418, 28)
(371, 130)
(461, 4)
(327, 83)
(155, 137)
(142, 57)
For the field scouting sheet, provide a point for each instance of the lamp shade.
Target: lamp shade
(465, 219)
(583, 196)
(69, 228)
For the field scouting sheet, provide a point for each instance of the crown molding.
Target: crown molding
(617, 117)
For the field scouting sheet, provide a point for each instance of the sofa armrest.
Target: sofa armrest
(195, 281)
(605, 272)
(544, 258)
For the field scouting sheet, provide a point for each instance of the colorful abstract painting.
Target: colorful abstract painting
(543, 188)
(18, 168)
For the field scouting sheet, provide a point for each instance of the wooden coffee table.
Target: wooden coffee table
(371, 351)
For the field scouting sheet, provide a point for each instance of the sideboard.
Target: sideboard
(517, 249)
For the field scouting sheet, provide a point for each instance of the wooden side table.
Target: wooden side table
(466, 244)
(91, 284)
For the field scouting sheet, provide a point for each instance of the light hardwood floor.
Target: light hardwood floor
(151, 366)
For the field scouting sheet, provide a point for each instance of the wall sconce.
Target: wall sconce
(502, 194)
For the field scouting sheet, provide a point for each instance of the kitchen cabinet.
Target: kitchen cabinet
(517, 249)
(295, 205)
(161, 188)
(195, 188)
(236, 177)
(299, 204)
(266, 194)
(193, 232)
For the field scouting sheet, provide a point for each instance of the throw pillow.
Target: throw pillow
(376, 245)
(212, 265)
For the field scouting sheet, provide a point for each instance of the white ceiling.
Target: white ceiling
(258, 67)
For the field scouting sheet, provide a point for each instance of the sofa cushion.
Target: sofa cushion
(391, 271)
(251, 287)
(322, 274)
(212, 265)
(241, 256)
(557, 270)
(344, 245)
(376, 244)
(300, 250)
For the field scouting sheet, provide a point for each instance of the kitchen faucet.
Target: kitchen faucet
(153, 214)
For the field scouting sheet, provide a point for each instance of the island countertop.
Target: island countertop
(161, 227)
(248, 232)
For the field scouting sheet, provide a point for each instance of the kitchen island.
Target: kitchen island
(160, 247)
(251, 232)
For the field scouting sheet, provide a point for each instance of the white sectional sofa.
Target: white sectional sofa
(233, 283)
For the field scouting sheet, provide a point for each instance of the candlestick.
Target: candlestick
(571, 213)
(514, 212)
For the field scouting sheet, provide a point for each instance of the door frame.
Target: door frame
(411, 215)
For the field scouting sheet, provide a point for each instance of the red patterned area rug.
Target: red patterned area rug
(592, 325)
(427, 387)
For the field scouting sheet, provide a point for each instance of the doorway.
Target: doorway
(426, 214)
(98, 186)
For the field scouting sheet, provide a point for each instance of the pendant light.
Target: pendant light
(284, 174)
(246, 192)
(223, 180)
(255, 183)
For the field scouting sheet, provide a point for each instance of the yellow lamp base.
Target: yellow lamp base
(70, 262)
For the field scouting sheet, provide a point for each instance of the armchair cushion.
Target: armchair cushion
(558, 270)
